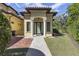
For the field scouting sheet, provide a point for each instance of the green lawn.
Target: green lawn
(62, 46)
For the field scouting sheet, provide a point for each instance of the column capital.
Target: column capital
(32, 18)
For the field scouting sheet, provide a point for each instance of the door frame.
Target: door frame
(35, 28)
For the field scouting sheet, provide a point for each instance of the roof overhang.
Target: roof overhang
(10, 7)
(54, 13)
(38, 8)
(11, 14)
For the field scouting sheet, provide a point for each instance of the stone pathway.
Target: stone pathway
(39, 44)
(19, 42)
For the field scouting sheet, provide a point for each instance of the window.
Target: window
(48, 26)
(28, 26)
(12, 22)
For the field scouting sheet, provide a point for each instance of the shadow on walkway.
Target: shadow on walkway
(19, 42)
(14, 40)
(23, 52)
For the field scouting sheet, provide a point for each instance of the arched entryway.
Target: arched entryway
(38, 26)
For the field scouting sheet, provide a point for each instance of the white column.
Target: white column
(24, 28)
(44, 22)
(32, 28)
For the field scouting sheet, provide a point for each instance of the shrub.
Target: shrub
(5, 32)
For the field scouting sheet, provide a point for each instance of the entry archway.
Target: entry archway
(38, 26)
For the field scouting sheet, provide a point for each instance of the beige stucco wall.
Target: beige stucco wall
(48, 34)
(17, 25)
(28, 34)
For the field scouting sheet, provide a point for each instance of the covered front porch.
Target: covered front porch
(38, 26)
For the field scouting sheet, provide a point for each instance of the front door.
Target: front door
(38, 28)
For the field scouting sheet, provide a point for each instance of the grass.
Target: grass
(62, 46)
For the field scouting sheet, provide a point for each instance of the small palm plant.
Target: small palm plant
(5, 33)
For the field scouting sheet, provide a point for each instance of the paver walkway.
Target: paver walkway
(39, 44)
(19, 42)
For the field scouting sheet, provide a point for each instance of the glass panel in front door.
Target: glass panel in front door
(38, 28)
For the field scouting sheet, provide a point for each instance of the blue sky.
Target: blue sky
(59, 7)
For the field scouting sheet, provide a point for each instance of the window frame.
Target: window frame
(28, 27)
(48, 27)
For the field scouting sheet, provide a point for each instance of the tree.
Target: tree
(60, 22)
(73, 20)
(5, 33)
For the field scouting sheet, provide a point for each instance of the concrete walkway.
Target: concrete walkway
(39, 44)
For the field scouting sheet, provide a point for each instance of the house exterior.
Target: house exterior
(16, 22)
(35, 21)
(7, 8)
(38, 21)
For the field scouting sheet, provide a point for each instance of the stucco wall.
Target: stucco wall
(38, 13)
(17, 24)
(27, 34)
